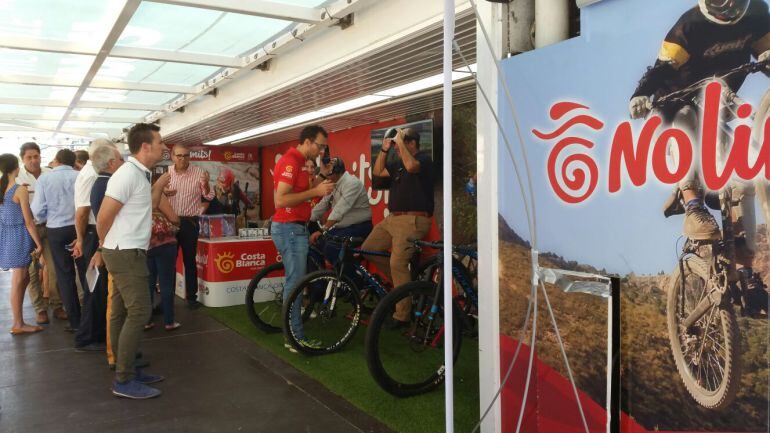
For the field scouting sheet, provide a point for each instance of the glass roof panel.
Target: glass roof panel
(78, 124)
(31, 110)
(150, 71)
(43, 124)
(109, 112)
(197, 30)
(132, 96)
(86, 21)
(67, 66)
(306, 3)
(37, 92)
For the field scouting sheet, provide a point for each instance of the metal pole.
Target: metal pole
(449, 34)
(551, 22)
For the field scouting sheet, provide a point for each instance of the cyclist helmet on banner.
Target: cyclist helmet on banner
(724, 11)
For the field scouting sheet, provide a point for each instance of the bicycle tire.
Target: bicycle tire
(725, 392)
(374, 357)
(264, 318)
(345, 308)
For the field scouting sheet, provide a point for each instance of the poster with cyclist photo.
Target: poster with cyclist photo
(643, 166)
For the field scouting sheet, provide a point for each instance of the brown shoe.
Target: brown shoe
(60, 314)
(700, 225)
(42, 318)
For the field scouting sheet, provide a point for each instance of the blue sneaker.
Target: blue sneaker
(147, 379)
(134, 390)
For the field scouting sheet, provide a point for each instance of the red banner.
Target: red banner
(219, 154)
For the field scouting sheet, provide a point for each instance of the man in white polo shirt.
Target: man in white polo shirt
(124, 224)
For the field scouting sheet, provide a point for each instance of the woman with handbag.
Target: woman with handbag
(161, 260)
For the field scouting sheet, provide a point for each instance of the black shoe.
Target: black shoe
(393, 324)
(193, 305)
(91, 348)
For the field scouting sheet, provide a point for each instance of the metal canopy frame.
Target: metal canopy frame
(306, 21)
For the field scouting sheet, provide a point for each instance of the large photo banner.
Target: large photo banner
(646, 139)
(231, 169)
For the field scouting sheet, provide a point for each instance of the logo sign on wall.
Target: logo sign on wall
(647, 138)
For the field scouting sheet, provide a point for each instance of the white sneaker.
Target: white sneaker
(290, 347)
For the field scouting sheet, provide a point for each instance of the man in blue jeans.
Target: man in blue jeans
(292, 194)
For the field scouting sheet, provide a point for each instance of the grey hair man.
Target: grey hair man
(91, 334)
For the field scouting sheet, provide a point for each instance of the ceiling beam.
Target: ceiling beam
(38, 80)
(260, 8)
(64, 47)
(176, 57)
(81, 104)
(129, 8)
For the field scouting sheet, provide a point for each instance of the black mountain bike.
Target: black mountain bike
(333, 302)
(408, 360)
(703, 330)
(264, 296)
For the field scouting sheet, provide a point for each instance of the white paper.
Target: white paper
(92, 276)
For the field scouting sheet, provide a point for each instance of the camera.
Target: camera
(391, 134)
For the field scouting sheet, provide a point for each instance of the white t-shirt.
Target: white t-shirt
(130, 185)
(27, 179)
(83, 185)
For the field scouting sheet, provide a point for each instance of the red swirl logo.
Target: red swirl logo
(578, 171)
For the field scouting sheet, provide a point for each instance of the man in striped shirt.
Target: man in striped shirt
(189, 184)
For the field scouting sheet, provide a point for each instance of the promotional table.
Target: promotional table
(225, 267)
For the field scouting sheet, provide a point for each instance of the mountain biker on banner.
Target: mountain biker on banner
(708, 40)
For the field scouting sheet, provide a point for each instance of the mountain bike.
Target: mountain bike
(702, 326)
(408, 359)
(264, 295)
(334, 301)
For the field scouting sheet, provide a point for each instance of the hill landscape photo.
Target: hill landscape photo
(652, 391)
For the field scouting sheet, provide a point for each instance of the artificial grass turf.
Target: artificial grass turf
(345, 373)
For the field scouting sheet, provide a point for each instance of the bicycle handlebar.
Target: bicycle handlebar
(687, 92)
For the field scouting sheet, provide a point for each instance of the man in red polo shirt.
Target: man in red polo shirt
(292, 195)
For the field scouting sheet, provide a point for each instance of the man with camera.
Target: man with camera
(351, 215)
(409, 178)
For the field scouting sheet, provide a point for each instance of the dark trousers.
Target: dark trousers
(331, 250)
(59, 239)
(161, 262)
(93, 314)
(187, 238)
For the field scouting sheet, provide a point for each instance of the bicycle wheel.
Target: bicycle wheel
(707, 354)
(410, 361)
(264, 298)
(432, 270)
(332, 311)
